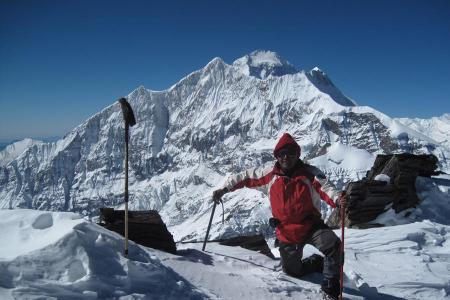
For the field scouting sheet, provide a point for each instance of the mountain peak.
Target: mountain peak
(216, 62)
(320, 76)
(317, 69)
(320, 79)
(262, 63)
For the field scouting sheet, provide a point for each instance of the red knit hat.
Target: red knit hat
(287, 141)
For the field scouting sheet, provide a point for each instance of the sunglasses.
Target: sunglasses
(286, 152)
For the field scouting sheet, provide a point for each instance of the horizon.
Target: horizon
(62, 62)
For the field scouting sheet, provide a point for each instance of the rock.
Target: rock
(254, 242)
(368, 198)
(144, 227)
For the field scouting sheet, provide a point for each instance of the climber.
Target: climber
(295, 190)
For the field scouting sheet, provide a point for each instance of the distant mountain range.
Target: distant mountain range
(217, 120)
(7, 142)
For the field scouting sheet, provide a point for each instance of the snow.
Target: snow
(265, 57)
(242, 218)
(383, 177)
(434, 205)
(13, 151)
(342, 156)
(214, 121)
(325, 85)
(218, 120)
(262, 64)
(64, 256)
(437, 128)
(33, 230)
(403, 260)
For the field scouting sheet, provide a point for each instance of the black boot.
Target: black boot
(331, 288)
(312, 264)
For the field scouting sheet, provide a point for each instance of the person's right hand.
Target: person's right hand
(217, 194)
(341, 200)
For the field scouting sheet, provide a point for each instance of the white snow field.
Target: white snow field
(54, 255)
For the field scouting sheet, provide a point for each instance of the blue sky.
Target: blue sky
(63, 61)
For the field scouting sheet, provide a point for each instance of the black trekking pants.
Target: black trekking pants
(326, 241)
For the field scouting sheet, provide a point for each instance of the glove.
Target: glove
(218, 194)
(274, 222)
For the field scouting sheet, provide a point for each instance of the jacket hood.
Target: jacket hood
(287, 141)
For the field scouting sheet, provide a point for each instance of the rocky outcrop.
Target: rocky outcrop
(144, 227)
(395, 188)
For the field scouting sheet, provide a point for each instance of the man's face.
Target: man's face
(287, 158)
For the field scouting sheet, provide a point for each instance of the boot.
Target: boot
(330, 288)
(312, 264)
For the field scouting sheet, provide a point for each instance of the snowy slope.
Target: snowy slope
(438, 128)
(14, 150)
(217, 120)
(62, 255)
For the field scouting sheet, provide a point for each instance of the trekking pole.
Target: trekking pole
(129, 119)
(209, 226)
(342, 247)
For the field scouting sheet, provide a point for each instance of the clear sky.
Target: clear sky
(63, 61)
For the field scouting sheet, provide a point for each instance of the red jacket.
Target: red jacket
(294, 198)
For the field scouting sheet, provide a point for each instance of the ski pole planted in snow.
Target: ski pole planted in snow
(209, 226)
(130, 121)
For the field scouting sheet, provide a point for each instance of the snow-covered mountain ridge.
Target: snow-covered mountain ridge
(14, 150)
(217, 120)
(438, 128)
